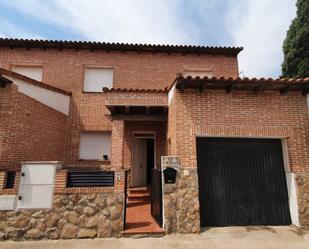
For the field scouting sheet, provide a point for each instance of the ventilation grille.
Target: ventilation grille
(90, 179)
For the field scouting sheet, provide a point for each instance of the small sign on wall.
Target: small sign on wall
(7, 202)
(170, 161)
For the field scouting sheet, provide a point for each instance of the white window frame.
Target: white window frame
(15, 66)
(81, 157)
(87, 67)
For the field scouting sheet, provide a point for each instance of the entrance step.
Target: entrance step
(139, 222)
(139, 194)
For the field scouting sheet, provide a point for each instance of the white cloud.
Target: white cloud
(260, 26)
(121, 20)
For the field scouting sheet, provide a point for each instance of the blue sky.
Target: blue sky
(258, 25)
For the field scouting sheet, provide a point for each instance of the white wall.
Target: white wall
(55, 100)
(97, 78)
(291, 184)
(292, 191)
(93, 145)
(7, 202)
(170, 94)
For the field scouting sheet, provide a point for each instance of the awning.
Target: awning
(283, 85)
(138, 112)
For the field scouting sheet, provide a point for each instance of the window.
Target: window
(10, 179)
(95, 145)
(97, 78)
(197, 73)
(33, 72)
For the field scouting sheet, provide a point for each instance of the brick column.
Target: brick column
(117, 144)
(60, 181)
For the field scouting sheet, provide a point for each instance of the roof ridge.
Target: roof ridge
(138, 47)
(293, 79)
(7, 72)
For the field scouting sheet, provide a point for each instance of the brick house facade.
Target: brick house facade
(145, 101)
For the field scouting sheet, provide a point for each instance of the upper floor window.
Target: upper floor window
(95, 145)
(197, 73)
(97, 78)
(33, 72)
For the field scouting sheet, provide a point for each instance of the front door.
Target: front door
(139, 171)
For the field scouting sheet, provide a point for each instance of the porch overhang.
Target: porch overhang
(283, 85)
(139, 112)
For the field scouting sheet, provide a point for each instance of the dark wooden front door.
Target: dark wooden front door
(242, 182)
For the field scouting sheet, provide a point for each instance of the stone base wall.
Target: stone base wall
(302, 181)
(72, 216)
(181, 204)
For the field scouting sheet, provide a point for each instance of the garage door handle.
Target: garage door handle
(20, 198)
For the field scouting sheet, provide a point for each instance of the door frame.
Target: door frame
(150, 135)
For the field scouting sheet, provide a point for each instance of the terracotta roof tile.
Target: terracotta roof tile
(106, 90)
(58, 44)
(281, 84)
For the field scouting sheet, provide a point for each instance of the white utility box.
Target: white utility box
(7, 202)
(36, 187)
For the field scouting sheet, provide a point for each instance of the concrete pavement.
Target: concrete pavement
(287, 237)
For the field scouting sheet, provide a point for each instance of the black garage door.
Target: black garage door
(242, 182)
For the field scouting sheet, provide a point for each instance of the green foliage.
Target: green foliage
(296, 44)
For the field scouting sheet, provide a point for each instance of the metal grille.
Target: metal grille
(242, 182)
(91, 179)
(156, 196)
(10, 179)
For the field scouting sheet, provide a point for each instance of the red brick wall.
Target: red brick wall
(242, 113)
(29, 130)
(65, 69)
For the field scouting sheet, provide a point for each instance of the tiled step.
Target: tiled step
(140, 223)
(138, 195)
(138, 199)
(139, 192)
(142, 234)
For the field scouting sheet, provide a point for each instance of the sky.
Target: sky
(257, 25)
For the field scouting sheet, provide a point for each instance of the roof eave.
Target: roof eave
(231, 84)
(76, 45)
